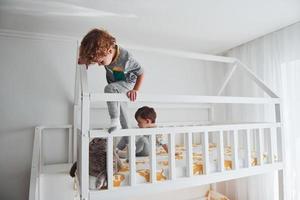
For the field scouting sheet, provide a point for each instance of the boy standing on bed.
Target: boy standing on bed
(123, 73)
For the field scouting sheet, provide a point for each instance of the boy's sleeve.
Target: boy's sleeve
(123, 142)
(134, 67)
(139, 145)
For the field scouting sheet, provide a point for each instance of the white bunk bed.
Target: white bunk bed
(240, 163)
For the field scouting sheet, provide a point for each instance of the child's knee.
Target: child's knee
(143, 140)
(110, 88)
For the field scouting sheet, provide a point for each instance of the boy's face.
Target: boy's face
(106, 60)
(144, 123)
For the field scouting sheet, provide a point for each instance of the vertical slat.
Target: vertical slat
(75, 126)
(279, 134)
(41, 155)
(153, 158)
(248, 148)
(273, 138)
(85, 125)
(77, 78)
(132, 160)
(171, 146)
(109, 162)
(206, 152)
(189, 153)
(261, 146)
(281, 153)
(234, 151)
(79, 152)
(70, 145)
(77, 91)
(85, 121)
(221, 150)
(34, 190)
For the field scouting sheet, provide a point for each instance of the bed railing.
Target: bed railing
(274, 156)
(190, 180)
(83, 100)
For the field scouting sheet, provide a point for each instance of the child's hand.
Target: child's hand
(131, 94)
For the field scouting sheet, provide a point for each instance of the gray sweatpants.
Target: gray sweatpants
(118, 109)
(142, 145)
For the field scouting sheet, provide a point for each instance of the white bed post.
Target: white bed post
(281, 151)
(85, 124)
(77, 91)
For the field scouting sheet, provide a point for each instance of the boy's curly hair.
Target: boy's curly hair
(146, 112)
(95, 45)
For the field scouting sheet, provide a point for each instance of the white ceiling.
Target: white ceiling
(207, 26)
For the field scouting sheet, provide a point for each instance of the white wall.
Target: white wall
(37, 86)
(37, 78)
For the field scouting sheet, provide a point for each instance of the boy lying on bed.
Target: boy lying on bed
(145, 116)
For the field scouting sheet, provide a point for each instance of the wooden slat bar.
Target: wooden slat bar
(260, 83)
(153, 158)
(84, 172)
(221, 151)
(248, 148)
(75, 127)
(227, 79)
(35, 168)
(234, 151)
(273, 149)
(183, 99)
(55, 127)
(70, 146)
(109, 162)
(189, 153)
(132, 160)
(206, 152)
(261, 146)
(84, 81)
(77, 89)
(171, 146)
(175, 130)
(185, 54)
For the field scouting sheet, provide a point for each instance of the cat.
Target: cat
(97, 162)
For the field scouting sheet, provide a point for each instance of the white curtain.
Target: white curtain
(275, 58)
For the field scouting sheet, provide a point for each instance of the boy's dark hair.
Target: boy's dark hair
(95, 45)
(146, 112)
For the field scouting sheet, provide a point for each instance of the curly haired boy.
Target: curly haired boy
(123, 73)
